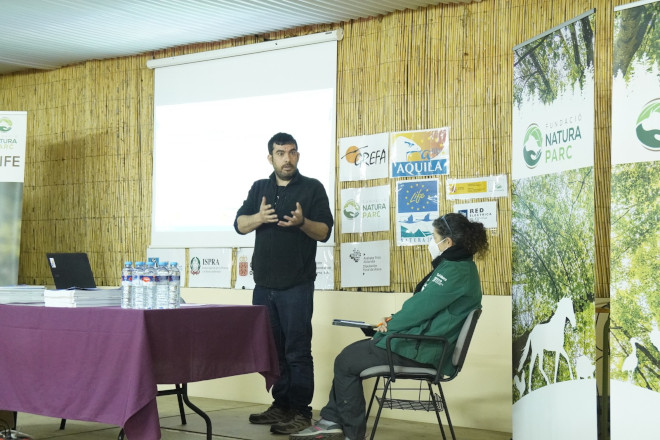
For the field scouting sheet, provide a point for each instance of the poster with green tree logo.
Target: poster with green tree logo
(635, 223)
(553, 366)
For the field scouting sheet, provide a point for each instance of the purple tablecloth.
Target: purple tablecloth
(104, 364)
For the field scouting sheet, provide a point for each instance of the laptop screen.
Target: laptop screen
(71, 270)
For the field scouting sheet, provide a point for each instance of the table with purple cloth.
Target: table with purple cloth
(103, 364)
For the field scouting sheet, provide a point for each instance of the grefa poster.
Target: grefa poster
(13, 131)
(553, 334)
(364, 157)
(635, 229)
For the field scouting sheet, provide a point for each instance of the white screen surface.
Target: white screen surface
(212, 123)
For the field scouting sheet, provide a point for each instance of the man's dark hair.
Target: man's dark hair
(281, 139)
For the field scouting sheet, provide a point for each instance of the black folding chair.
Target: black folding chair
(432, 376)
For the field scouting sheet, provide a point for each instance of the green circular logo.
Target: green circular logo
(532, 146)
(5, 124)
(648, 126)
(351, 209)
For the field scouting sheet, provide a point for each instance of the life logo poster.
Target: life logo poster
(365, 209)
(635, 224)
(417, 207)
(365, 264)
(364, 157)
(419, 153)
(13, 130)
(210, 267)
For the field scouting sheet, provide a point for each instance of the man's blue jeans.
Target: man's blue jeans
(290, 314)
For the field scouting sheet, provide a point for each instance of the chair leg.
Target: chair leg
(179, 398)
(373, 395)
(380, 408)
(62, 423)
(437, 409)
(443, 401)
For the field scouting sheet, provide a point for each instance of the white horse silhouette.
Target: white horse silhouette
(519, 382)
(549, 336)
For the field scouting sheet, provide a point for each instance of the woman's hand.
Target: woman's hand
(382, 326)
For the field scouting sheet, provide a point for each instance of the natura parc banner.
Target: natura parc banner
(554, 386)
(635, 224)
(13, 131)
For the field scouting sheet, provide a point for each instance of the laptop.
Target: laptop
(71, 270)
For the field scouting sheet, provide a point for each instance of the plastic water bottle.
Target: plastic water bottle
(149, 285)
(138, 288)
(162, 286)
(126, 285)
(174, 299)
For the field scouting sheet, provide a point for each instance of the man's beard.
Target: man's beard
(285, 175)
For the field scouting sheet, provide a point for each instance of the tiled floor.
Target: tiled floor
(229, 422)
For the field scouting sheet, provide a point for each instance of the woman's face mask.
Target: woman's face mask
(434, 249)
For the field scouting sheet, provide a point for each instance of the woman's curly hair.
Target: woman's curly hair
(470, 235)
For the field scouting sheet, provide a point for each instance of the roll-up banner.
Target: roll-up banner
(635, 229)
(553, 368)
(13, 130)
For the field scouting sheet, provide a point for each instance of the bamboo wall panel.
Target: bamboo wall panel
(89, 150)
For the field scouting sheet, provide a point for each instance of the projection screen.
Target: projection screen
(212, 122)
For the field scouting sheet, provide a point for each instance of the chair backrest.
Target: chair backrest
(464, 339)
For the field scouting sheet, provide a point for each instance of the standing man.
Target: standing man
(290, 213)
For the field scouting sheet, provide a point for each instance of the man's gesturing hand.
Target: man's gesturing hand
(296, 218)
(267, 212)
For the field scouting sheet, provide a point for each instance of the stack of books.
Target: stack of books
(82, 297)
(22, 295)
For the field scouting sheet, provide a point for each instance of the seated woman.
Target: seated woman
(440, 305)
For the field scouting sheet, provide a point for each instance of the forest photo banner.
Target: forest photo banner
(13, 132)
(635, 223)
(554, 386)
